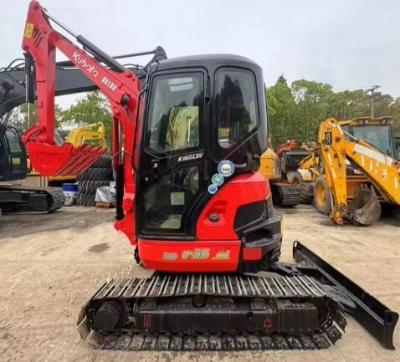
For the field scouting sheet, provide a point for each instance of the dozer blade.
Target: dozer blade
(365, 209)
(52, 160)
(373, 315)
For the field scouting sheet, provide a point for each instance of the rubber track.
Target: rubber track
(243, 342)
(57, 198)
(286, 195)
(160, 286)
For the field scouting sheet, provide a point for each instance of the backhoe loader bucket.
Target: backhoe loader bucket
(53, 160)
(365, 209)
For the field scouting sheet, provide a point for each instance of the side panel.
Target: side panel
(217, 247)
(194, 256)
(241, 190)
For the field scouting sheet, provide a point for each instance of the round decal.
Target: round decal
(212, 189)
(226, 168)
(217, 179)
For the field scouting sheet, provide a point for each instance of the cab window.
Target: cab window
(235, 105)
(13, 141)
(175, 112)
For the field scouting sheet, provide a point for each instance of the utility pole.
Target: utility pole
(372, 91)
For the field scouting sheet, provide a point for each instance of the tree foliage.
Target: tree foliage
(295, 111)
(26, 115)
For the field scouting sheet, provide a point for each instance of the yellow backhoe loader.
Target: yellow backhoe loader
(360, 169)
(93, 134)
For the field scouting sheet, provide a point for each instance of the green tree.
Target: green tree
(25, 116)
(295, 112)
(281, 108)
(350, 104)
(313, 104)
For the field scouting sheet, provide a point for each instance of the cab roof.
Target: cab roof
(209, 61)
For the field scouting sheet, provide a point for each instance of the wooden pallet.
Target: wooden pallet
(105, 205)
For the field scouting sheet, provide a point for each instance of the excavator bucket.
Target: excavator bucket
(53, 160)
(365, 208)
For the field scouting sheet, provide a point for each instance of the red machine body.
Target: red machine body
(229, 230)
(224, 251)
(288, 146)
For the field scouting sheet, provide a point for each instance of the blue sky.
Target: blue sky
(349, 44)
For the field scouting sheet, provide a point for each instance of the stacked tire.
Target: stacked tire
(98, 175)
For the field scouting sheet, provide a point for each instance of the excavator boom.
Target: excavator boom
(41, 39)
(120, 86)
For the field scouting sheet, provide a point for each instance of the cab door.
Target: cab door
(13, 159)
(173, 166)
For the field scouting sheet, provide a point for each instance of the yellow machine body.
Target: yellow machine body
(93, 134)
(357, 173)
(270, 165)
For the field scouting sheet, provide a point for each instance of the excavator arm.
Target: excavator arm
(119, 85)
(333, 153)
(379, 169)
(383, 170)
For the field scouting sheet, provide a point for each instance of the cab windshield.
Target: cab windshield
(379, 136)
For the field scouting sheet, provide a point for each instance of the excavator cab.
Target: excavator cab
(13, 158)
(187, 142)
(201, 111)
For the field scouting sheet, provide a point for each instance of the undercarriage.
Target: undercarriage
(286, 195)
(297, 306)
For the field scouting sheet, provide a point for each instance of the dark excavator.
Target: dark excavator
(187, 141)
(13, 161)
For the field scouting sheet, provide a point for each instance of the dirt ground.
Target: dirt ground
(50, 265)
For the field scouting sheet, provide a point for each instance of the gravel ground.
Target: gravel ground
(50, 265)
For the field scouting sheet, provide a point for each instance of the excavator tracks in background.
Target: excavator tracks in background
(19, 199)
(286, 195)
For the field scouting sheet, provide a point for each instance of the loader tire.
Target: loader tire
(322, 196)
(96, 174)
(93, 185)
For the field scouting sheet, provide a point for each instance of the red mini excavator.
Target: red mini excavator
(187, 138)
